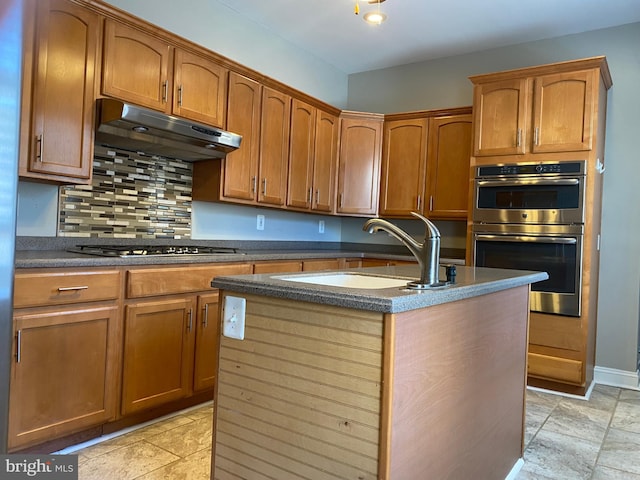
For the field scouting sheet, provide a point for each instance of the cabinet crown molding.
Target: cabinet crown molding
(560, 67)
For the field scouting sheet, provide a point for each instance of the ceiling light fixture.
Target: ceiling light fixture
(376, 17)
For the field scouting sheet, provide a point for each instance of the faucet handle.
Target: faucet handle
(431, 228)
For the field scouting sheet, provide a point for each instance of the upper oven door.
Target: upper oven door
(535, 200)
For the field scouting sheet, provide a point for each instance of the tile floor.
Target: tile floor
(566, 439)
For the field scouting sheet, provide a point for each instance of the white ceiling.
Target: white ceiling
(418, 30)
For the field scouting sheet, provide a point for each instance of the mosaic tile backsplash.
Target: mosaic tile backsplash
(131, 196)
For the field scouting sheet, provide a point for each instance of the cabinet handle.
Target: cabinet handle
(519, 137)
(190, 321)
(264, 187)
(164, 92)
(18, 346)
(431, 203)
(205, 318)
(419, 202)
(39, 148)
(317, 196)
(72, 289)
(254, 183)
(310, 196)
(340, 200)
(536, 136)
(180, 96)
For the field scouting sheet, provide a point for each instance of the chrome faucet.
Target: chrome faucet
(427, 253)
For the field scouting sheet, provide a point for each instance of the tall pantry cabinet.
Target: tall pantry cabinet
(552, 113)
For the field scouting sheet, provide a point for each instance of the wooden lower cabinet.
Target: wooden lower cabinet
(321, 264)
(278, 267)
(63, 377)
(206, 349)
(158, 353)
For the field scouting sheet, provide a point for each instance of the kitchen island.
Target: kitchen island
(330, 382)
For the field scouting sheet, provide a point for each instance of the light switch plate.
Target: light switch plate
(233, 316)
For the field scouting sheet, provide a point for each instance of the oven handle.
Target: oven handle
(531, 181)
(526, 238)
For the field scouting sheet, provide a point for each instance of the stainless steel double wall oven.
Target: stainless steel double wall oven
(531, 217)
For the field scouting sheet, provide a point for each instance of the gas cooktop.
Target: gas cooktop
(133, 250)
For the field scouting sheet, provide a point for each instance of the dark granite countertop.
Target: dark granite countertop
(45, 252)
(470, 282)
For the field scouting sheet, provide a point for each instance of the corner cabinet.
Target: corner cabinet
(359, 163)
(166, 78)
(425, 166)
(549, 110)
(58, 135)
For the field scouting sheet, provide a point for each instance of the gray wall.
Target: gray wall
(444, 83)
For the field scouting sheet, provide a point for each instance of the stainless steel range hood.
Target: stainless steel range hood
(133, 128)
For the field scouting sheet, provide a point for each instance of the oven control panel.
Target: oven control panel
(517, 169)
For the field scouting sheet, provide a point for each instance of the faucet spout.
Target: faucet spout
(427, 254)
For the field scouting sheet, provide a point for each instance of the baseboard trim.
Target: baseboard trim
(617, 378)
(515, 470)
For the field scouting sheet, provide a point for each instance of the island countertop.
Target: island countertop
(470, 282)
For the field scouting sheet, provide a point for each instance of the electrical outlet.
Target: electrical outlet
(233, 316)
(260, 222)
(320, 226)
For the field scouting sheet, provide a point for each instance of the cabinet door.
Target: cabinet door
(63, 377)
(243, 118)
(359, 166)
(200, 89)
(564, 112)
(158, 353)
(274, 147)
(500, 117)
(206, 350)
(448, 166)
(404, 161)
(67, 45)
(325, 162)
(136, 67)
(301, 155)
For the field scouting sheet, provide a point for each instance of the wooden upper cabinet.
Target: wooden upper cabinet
(301, 154)
(449, 156)
(67, 40)
(500, 117)
(274, 147)
(546, 109)
(325, 162)
(200, 88)
(563, 112)
(313, 155)
(136, 67)
(359, 163)
(404, 162)
(240, 170)
(147, 71)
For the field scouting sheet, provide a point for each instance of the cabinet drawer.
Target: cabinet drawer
(554, 368)
(556, 331)
(165, 281)
(59, 288)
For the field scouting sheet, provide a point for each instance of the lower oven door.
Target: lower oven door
(556, 250)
